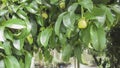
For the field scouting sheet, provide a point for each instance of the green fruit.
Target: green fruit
(82, 23)
(62, 5)
(45, 15)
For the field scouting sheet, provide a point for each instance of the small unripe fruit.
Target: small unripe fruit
(62, 5)
(45, 15)
(82, 23)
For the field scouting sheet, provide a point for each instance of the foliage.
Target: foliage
(28, 26)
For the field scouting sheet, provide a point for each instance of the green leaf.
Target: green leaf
(58, 23)
(2, 37)
(89, 16)
(62, 39)
(53, 1)
(28, 58)
(14, 62)
(3, 12)
(110, 16)
(40, 55)
(8, 62)
(78, 53)
(31, 10)
(45, 35)
(24, 32)
(16, 44)
(68, 33)
(40, 20)
(39, 1)
(23, 27)
(88, 4)
(8, 35)
(34, 27)
(101, 1)
(11, 62)
(116, 8)
(73, 7)
(98, 38)
(15, 24)
(108, 13)
(47, 55)
(53, 41)
(38, 39)
(101, 19)
(66, 54)
(85, 36)
(14, 7)
(94, 37)
(22, 14)
(34, 5)
(30, 39)
(21, 63)
(97, 14)
(67, 22)
(98, 11)
(102, 38)
(17, 52)
(7, 48)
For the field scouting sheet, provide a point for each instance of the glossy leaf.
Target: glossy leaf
(66, 54)
(30, 39)
(45, 35)
(15, 24)
(7, 48)
(28, 58)
(58, 23)
(88, 4)
(8, 35)
(62, 39)
(102, 38)
(8, 62)
(21, 63)
(73, 7)
(11, 62)
(15, 63)
(34, 27)
(2, 37)
(78, 54)
(22, 14)
(85, 36)
(40, 20)
(3, 12)
(53, 1)
(16, 44)
(31, 10)
(116, 8)
(98, 38)
(67, 21)
(110, 16)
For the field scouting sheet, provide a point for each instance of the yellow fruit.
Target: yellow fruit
(45, 15)
(82, 23)
(62, 5)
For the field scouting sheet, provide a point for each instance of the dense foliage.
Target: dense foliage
(69, 26)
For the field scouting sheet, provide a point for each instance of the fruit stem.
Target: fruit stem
(82, 11)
